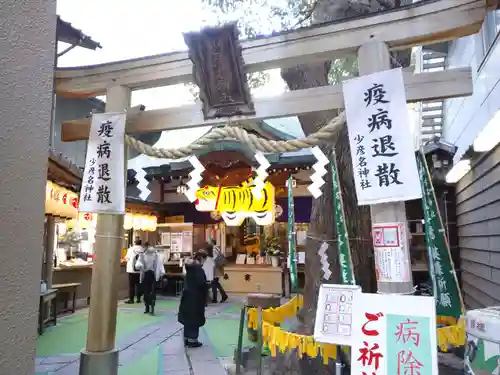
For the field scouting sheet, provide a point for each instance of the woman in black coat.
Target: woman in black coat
(192, 306)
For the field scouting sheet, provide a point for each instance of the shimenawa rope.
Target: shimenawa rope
(254, 142)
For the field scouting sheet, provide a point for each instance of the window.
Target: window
(491, 28)
(488, 34)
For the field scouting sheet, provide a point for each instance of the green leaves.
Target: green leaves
(343, 69)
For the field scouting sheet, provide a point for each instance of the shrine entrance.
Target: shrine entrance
(226, 99)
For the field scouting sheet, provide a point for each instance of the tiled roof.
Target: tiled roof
(65, 163)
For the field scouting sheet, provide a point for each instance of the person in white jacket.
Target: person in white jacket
(212, 272)
(209, 269)
(134, 286)
(152, 270)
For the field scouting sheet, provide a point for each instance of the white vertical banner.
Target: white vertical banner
(383, 155)
(394, 335)
(103, 184)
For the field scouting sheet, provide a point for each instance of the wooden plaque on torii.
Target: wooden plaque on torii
(219, 71)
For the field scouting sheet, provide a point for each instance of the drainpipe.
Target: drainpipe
(53, 111)
(47, 267)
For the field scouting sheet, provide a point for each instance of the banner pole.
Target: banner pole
(440, 218)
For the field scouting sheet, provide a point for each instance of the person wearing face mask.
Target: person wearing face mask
(134, 285)
(192, 307)
(213, 270)
(152, 270)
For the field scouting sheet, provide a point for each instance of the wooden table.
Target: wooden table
(66, 290)
(252, 278)
(46, 297)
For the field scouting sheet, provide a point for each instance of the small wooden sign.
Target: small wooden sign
(219, 71)
(174, 219)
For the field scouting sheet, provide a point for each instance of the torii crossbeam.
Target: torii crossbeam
(413, 25)
(421, 23)
(424, 86)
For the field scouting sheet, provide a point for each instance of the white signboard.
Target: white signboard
(103, 184)
(391, 263)
(394, 335)
(384, 165)
(334, 317)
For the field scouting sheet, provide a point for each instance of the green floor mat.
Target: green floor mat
(160, 305)
(144, 365)
(225, 344)
(233, 308)
(74, 318)
(70, 337)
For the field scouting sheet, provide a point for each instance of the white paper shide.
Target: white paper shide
(103, 185)
(385, 169)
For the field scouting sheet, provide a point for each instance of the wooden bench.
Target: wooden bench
(49, 296)
(64, 291)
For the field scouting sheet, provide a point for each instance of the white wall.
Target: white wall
(27, 45)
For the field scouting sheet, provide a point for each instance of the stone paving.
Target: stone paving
(154, 345)
(155, 348)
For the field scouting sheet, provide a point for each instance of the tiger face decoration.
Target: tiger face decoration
(236, 203)
(206, 198)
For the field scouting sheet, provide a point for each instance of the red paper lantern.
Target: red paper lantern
(74, 202)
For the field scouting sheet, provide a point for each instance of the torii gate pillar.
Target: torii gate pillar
(100, 356)
(374, 57)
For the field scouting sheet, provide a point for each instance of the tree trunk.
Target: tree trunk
(322, 223)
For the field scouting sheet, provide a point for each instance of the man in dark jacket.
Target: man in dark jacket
(192, 306)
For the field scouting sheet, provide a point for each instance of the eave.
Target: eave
(62, 171)
(68, 34)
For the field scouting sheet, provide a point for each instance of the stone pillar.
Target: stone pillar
(374, 57)
(101, 356)
(27, 43)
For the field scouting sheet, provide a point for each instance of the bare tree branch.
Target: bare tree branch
(388, 4)
(308, 14)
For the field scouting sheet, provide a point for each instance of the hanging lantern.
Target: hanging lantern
(154, 223)
(137, 222)
(65, 209)
(60, 202)
(146, 223)
(143, 223)
(127, 222)
(74, 202)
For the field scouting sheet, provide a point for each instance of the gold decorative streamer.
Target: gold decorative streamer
(277, 339)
